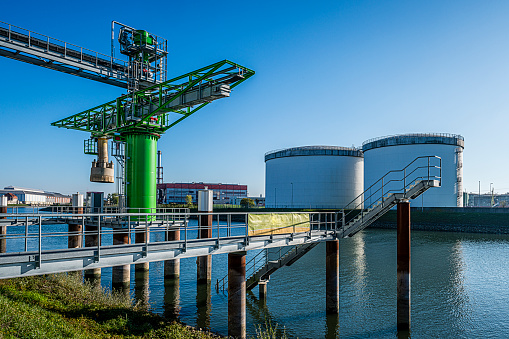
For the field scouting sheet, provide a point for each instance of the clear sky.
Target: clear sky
(327, 73)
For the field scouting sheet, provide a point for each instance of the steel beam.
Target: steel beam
(64, 260)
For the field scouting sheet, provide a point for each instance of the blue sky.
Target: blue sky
(327, 73)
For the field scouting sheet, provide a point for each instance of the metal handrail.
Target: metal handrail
(384, 183)
(21, 30)
(108, 224)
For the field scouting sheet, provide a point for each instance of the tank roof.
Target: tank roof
(314, 150)
(414, 138)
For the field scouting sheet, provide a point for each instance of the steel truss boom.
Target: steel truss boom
(154, 109)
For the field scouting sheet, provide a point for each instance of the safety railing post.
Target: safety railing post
(428, 169)
(98, 238)
(218, 236)
(247, 231)
(185, 233)
(146, 235)
(404, 180)
(26, 234)
(382, 191)
(39, 259)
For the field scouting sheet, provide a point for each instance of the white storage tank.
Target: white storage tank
(384, 154)
(313, 177)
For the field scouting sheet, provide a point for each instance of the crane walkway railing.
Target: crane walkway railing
(41, 50)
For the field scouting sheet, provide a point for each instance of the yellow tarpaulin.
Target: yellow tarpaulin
(261, 224)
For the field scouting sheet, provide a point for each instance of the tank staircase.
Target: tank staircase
(266, 262)
(408, 183)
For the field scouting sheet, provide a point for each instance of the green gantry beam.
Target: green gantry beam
(154, 109)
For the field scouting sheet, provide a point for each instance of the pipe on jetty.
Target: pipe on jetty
(403, 263)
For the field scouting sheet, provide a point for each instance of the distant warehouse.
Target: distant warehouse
(175, 193)
(30, 196)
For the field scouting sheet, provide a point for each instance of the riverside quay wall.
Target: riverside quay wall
(453, 219)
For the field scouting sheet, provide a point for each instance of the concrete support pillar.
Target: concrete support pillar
(237, 295)
(332, 277)
(204, 263)
(262, 290)
(403, 270)
(172, 266)
(75, 238)
(92, 240)
(121, 275)
(140, 237)
(3, 229)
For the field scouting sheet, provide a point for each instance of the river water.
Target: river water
(460, 289)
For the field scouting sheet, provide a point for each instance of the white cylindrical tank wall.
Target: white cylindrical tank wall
(313, 177)
(384, 154)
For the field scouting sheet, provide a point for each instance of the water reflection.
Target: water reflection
(203, 305)
(141, 287)
(332, 326)
(171, 308)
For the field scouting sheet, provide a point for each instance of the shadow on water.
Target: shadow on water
(260, 313)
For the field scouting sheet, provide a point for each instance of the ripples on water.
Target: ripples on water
(460, 289)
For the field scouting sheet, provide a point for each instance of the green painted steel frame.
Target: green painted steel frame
(109, 119)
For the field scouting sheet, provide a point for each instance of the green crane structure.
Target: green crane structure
(136, 120)
(141, 117)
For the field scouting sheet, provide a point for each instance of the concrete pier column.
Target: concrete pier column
(75, 238)
(92, 240)
(172, 266)
(332, 277)
(140, 237)
(403, 270)
(237, 295)
(3, 229)
(204, 263)
(121, 275)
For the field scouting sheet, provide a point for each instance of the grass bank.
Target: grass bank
(60, 306)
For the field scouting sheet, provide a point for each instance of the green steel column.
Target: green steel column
(141, 165)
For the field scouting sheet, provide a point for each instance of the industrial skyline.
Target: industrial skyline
(336, 73)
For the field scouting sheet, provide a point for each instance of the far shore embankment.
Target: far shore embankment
(452, 219)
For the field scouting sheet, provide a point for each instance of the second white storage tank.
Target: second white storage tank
(313, 177)
(395, 152)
